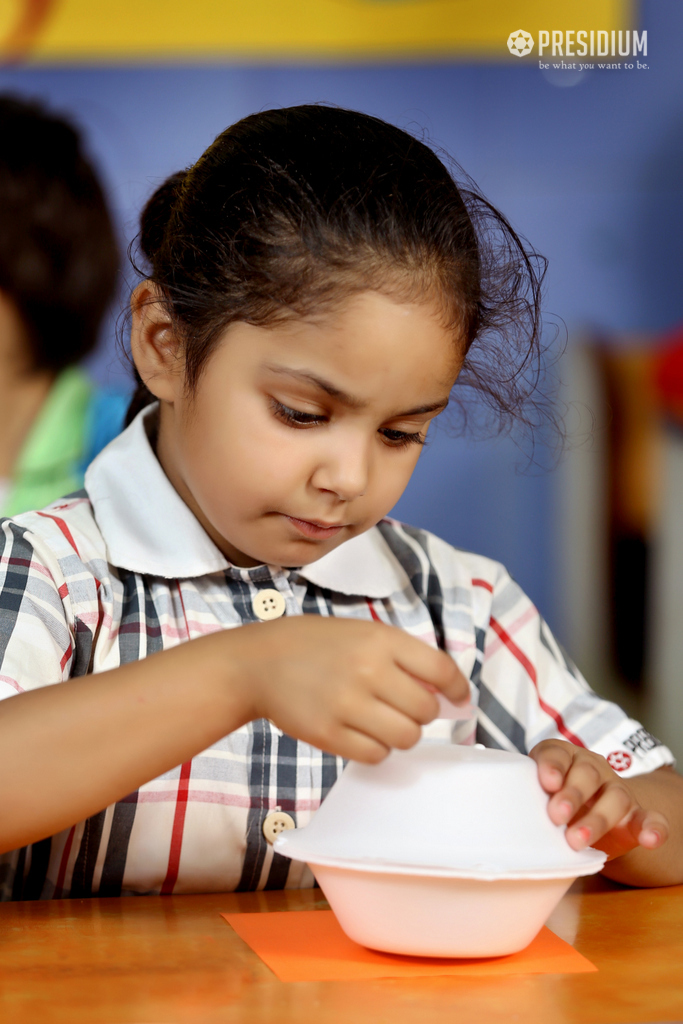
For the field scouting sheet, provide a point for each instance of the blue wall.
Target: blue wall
(591, 173)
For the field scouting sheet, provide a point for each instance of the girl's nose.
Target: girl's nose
(344, 469)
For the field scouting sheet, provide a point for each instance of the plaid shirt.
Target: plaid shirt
(123, 569)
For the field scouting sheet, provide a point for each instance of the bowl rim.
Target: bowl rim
(593, 862)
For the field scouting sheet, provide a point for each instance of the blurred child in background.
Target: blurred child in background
(58, 269)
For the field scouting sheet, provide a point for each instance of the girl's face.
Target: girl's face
(303, 435)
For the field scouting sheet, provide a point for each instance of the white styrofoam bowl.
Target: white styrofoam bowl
(440, 851)
(429, 915)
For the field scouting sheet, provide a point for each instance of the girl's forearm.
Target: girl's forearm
(69, 750)
(661, 790)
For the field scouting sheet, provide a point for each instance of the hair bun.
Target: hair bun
(157, 214)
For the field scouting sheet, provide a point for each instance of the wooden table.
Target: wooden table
(172, 960)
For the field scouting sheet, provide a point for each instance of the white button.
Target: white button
(276, 822)
(268, 604)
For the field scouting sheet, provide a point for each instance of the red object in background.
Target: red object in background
(668, 374)
(17, 45)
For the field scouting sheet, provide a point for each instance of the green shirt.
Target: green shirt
(52, 460)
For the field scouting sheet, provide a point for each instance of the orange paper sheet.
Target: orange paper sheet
(309, 945)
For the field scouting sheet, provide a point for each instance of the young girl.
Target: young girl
(227, 610)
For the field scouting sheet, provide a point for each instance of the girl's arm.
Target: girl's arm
(346, 686)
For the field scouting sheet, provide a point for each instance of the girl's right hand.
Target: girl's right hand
(349, 687)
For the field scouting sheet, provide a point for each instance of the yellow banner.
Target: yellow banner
(49, 31)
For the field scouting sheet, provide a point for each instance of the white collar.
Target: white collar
(363, 566)
(148, 528)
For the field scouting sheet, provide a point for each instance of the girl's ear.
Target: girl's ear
(155, 348)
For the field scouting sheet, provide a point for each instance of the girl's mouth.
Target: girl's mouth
(311, 529)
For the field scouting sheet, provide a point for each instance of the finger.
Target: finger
(357, 746)
(614, 806)
(653, 829)
(430, 665)
(554, 759)
(583, 780)
(383, 723)
(648, 829)
(408, 695)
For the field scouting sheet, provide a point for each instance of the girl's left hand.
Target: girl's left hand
(598, 807)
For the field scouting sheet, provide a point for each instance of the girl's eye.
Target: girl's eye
(400, 438)
(294, 417)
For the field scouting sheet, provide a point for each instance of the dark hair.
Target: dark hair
(289, 210)
(58, 255)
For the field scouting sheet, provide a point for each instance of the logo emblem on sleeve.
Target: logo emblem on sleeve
(619, 760)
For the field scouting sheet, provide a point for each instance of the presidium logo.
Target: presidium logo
(600, 43)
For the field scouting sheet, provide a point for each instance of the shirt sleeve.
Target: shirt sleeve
(530, 691)
(36, 635)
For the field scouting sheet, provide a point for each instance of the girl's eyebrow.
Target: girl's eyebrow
(319, 382)
(342, 396)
